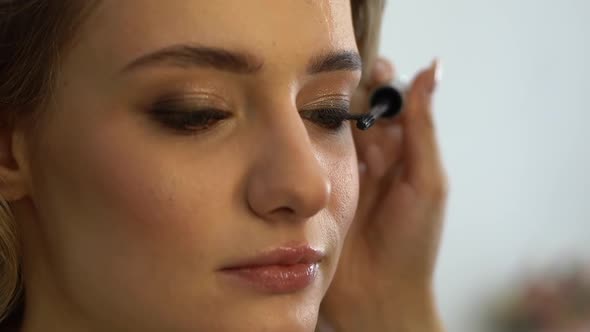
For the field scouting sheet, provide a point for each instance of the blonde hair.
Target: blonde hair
(32, 33)
(367, 18)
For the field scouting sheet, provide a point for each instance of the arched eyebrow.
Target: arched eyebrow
(198, 56)
(236, 61)
(335, 61)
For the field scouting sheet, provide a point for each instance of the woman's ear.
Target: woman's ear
(13, 185)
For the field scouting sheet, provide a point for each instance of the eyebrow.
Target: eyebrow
(335, 61)
(237, 61)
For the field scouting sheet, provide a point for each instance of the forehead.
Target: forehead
(275, 30)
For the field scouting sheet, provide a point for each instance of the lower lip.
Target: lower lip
(276, 278)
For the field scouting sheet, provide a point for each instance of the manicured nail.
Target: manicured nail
(394, 132)
(435, 76)
(438, 74)
(380, 65)
(362, 167)
(381, 71)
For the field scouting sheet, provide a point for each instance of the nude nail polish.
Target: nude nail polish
(438, 74)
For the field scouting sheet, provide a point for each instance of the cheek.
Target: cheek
(342, 166)
(118, 203)
(345, 191)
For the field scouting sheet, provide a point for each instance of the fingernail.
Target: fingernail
(435, 76)
(394, 132)
(438, 73)
(381, 72)
(380, 67)
(362, 167)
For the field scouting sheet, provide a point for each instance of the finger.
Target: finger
(374, 147)
(378, 159)
(387, 140)
(367, 182)
(421, 152)
(383, 72)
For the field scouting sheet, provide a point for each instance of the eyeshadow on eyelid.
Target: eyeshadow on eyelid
(188, 98)
(330, 102)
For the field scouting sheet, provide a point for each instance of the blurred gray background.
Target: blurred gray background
(513, 118)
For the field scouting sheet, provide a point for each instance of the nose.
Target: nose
(287, 181)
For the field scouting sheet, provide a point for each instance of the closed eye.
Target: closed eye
(333, 119)
(189, 121)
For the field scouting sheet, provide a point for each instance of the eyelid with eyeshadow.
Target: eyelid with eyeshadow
(329, 101)
(193, 100)
(195, 113)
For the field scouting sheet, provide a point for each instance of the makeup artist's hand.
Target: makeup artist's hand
(384, 278)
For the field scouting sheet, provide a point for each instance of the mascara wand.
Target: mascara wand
(386, 101)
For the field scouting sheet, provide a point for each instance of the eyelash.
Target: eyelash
(188, 121)
(194, 121)
(332, 119)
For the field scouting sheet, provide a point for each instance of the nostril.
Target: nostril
(284, 210)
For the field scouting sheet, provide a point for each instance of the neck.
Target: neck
(46, 305)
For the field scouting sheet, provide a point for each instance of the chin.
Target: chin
(284, 313)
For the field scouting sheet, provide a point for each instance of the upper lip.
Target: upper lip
(284, 255)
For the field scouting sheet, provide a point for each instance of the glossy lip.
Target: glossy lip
(284, 269)
(285, 255)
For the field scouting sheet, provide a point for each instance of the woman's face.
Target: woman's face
(175, 149)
